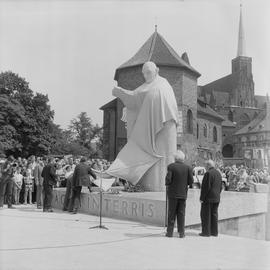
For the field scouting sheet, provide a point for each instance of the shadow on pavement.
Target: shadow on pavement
(141, 235)
(161, 234)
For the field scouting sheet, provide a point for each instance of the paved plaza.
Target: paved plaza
(31, 239)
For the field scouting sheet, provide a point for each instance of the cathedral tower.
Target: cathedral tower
(243, 95)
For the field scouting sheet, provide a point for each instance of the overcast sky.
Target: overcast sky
(70, 49)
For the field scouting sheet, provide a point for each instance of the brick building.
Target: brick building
(195, 115)
(209, 133)
(209, 115)
(233, 97)
(253, 141)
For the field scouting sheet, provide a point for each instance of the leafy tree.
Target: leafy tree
(11, 116)
(26, 124)
(85, 132)
(25, 117)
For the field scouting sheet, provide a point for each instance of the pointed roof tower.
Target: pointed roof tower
(241, 50)
(158, 50)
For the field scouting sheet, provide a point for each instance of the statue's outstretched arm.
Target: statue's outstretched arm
(126, 96)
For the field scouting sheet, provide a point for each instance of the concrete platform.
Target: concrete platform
(31, 239)
(240, 213)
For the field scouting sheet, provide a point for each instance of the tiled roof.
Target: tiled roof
(224, 84)
(202, 107)
(260, 124)
(158, 50)
(221, 98)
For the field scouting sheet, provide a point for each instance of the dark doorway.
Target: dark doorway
(227, 151)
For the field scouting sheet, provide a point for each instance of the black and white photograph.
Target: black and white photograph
(134, 134)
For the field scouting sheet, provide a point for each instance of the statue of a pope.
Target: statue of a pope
(151, 115)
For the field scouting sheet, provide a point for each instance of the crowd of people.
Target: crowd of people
(27, 185)
(242, 178)
(21, 180)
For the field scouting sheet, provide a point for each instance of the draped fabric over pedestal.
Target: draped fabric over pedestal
(151, 128)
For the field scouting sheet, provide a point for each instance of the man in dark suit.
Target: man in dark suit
(49, 179)
(6, 182)
(80, 178)
(210, 198)
(39, 182)
(178, 178)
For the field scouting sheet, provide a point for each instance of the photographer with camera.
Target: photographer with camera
(6, 182)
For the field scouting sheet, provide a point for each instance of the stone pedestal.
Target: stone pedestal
(240, 213)
(267, 237)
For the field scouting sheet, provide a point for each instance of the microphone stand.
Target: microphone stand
(100, 226)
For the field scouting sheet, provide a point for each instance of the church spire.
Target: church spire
(156, 24)
(241, 50)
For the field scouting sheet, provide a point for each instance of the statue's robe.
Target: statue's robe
(151, 131)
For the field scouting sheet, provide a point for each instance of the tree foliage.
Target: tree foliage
(84, 130)
(85, 133)
(25, 118)
(26, 124)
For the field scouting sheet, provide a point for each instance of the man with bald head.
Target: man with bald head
(151, 117)
(210, 198)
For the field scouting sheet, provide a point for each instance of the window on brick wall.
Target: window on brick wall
(189, 122)
(215, 134)
(205, 130)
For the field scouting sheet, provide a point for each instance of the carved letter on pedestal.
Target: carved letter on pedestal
(115, 206)
(134, 209)
(151, 210)
(124, 208)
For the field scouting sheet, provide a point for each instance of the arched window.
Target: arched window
(215, 134)
(205, 130)
(189, 122)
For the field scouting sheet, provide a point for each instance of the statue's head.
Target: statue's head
(150, 71)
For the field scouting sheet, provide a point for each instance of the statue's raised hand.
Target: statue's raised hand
(116, 91)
